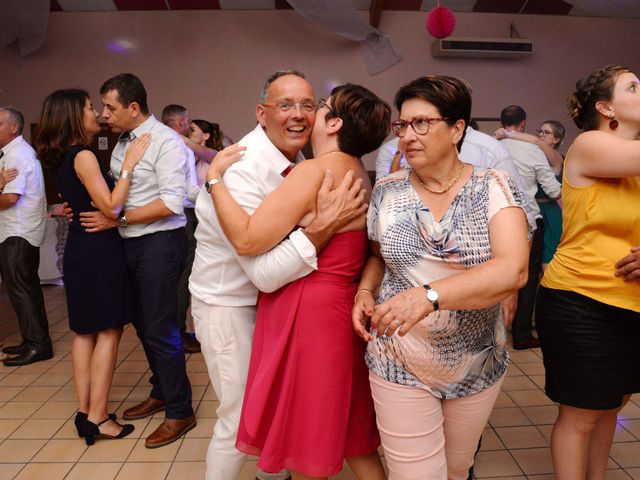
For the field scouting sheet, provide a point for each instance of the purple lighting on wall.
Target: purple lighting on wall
(120, 45)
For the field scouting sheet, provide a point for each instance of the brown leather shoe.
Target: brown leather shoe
(169, 431)
(144, 409)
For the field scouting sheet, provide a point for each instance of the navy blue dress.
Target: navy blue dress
(96, 276)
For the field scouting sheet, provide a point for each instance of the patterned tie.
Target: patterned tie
(127, 137)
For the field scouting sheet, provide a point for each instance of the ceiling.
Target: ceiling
(605, 8)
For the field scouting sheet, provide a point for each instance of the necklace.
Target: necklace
(457, 177)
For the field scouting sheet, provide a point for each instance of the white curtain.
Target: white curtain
(342, 18)
(24, 22)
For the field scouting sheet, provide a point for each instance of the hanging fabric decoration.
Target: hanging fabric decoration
(440, 22)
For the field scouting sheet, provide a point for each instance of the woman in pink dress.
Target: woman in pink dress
(308, 405)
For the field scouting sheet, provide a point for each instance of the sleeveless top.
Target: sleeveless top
(600, 224)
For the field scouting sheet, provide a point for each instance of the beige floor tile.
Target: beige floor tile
(210, 394)
(527, 398)
(167, 453)
(534, 461)
(634, 473)
(518, 383)
(618, 474)
(65, 394)
(109, 451)
(146, 471)
(633, 426)
(538, 380)
(490, 440)
(623, 435)
(38, 428)
(9, 393)
(542, 415)
(38, 367)
(61, 367)
(19, 451)
(10, 470)
(535, 368)
(40, 471)
(53, 380)
(197, 392)
(503, 401)
(196, 364)
(496, 463)
(37, 394)
(137, 395)
(19, 379)
(506, 478)
(131, 366)
(61, 451)
(199, 378)
(524, 356)
(207, 408)
(521, 437)
(513, 371)
(626, 454)
(508, 417)
(126, 379)
(68, 429)
(630, 411)
(186, 470)
(8, 426)
(19, 409)
(193, 450)
(94, 471)
(56, 410)
(204, 429)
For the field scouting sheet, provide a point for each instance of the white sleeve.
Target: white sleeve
(291, 259)
(384, 158)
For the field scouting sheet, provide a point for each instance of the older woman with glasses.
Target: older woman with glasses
(308, 404)
(549, 138)
(449, 242)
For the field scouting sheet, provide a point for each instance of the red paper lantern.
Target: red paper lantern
(440, 22)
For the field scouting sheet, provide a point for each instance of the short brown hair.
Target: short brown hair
(366, 119)
(61, 125)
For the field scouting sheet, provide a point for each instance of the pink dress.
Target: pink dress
(308, 404)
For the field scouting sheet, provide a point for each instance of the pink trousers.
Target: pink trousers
(427, 438)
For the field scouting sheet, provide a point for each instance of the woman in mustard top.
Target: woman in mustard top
(588, 315)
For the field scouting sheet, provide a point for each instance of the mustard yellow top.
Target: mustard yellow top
(600, 223)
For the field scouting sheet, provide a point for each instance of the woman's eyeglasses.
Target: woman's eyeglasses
(544, 132)
(420, 125)
(323, 103)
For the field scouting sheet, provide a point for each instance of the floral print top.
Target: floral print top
(450, 353)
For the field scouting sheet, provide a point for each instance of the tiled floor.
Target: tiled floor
(38, 439)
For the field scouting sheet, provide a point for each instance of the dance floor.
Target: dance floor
(38, 440)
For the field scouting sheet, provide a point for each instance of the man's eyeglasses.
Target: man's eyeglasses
(307, 107)
(544, 132)
(323, 103)
(420, 125)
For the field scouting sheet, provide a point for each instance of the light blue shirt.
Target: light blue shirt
(161, 174)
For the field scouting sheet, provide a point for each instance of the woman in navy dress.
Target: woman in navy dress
(98, 290)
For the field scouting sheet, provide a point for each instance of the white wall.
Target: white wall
(214, 62)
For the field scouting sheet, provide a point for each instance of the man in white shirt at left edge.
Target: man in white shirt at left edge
(22, 224)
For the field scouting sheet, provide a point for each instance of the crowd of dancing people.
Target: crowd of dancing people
(336, 317)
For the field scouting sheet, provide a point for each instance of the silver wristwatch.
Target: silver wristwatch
(433, 297)
(210, 183)
(122, 220)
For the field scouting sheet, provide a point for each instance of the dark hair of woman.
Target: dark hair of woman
(451, 96)
(558, 131)
(597, 87)
(215, 134)
(366, 119)
(60, 125)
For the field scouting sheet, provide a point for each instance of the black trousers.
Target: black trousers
(523, 321)
(155, 261)
(19, 262)
(183, 281)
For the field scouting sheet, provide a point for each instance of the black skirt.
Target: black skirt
(591, 350)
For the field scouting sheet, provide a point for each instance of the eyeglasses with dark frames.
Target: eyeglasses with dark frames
(544, 132)
(420, 125)
(323, 103)
(285, 107)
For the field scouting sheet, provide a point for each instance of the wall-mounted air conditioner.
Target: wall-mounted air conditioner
(482, 47)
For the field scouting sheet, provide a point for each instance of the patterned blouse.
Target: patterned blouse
(450, 353)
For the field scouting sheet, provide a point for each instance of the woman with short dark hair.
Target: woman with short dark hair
(448, 243)
(97, 284)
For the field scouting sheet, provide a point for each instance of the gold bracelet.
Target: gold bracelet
(355, 299)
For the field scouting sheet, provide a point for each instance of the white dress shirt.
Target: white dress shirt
(484, 151)
(161, 174)
(385, 156)
(219, 276)
(534, 169)
(193, 189)
(26, 219)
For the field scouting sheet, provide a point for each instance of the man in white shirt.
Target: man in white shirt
(177, 118)
(386, 154)
(155, 242)
(224, 286)
(534, 169)
(22, 224)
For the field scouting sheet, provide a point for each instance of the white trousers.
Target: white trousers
(225, 335)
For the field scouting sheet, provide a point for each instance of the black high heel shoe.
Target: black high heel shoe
(91, 431)
(81, 417)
